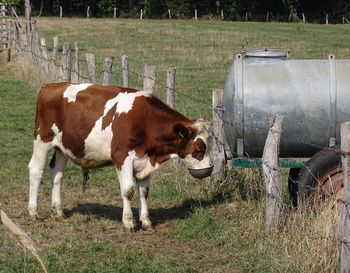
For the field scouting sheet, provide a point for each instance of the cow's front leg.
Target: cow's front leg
(127, 189)
(57, 164)
(143, 189)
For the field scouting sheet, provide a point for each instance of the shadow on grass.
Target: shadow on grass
(157, 215)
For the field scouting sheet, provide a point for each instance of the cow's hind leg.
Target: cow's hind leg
(36, 168)
(57, 164)
(143, 189)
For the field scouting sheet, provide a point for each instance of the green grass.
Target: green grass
(199, 228)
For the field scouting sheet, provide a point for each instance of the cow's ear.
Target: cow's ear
(181, 131)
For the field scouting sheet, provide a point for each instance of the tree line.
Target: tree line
(279, 10)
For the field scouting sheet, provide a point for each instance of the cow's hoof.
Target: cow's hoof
(129, 226)
(147, 225)
(148, 228)
(58, 215)
(59, 218)
(130, 229)
(33, 216)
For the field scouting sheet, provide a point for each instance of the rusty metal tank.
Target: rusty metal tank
(312, 95)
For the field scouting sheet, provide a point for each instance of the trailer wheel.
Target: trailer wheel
(321, 179)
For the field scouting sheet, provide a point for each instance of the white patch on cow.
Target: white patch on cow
(124, 101)
(98, 142)
(174, 156)
(143, 167)
(71, 92)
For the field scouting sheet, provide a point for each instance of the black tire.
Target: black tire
(323, 164)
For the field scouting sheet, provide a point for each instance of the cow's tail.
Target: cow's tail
(53, 161)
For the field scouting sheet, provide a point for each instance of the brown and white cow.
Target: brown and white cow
(96, 126)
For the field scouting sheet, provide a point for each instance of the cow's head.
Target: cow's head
(194, 144)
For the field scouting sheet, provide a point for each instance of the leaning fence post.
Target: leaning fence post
(170, 87)
(107, 70)
(149, 77)
(76, 73)
(90, 61)
(272, 174)
(218, 145)
(125, 71)
(344, 219)
(44, 55)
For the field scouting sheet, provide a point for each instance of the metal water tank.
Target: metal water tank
(312, 95)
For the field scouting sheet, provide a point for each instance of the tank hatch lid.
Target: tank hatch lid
(266, 53)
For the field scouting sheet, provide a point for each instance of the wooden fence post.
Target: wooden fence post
(326, 18)
(53, 60)
(267, 16)
(28, 15)
(61, 12)
(169, 14)
(344, 219)
(107, 70)
(90, 61)
(272, 174)
(76, 73)
(304, 19)
(195, 15)
(115, 13)
(35, 48)
(141, 14)
(70, 62)
(88, 12)
(149, 77)
(44, 54)
(218, 146)
(222, 14)
(170, 83)
(125, 71)
(246, 16)
(64, 63)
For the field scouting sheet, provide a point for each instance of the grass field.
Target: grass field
(198, 228)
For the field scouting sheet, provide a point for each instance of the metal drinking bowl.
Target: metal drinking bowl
(201, 173)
